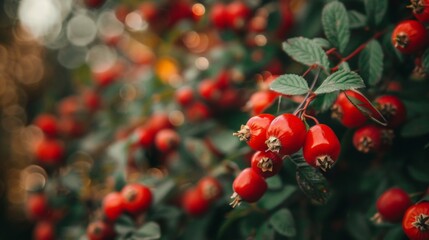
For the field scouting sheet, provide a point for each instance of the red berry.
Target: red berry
(209, 91)
(260, 101)
(217, 16)
(248, 186)
(266, 164)
(69, 107)
(346, 112)
(137, 198)
(37, 206)
(409, 36)
(71, 127)
(50, 151)
(222, 80)
(238, 13)
(416, 221)
(145, 136)
(371, 138)
(392, 108)
(94, 3)
(149, 11)
(421, 10)
(230, 98)
(392, 204)
(48, 124)
(91, 100)
(194, 203)
(287, 19)
(44, 231)
(99, 230)
(184, 96)
(159, 121)
(210, 188)
(286, 134)
(113, 205)
(321, 147)
(167, 140)
(197, 112)
(255, 131)
(107, 76)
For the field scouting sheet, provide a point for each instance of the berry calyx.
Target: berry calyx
(409, 36)
(321, 147)
(420, 9)
(266, 164)
(392, 108)
(415, 222)
(210, 188)
(254, 132)
(392, 204)
(371, 138)
(286, 134)
(113, 205)
(137, 198)
(248, 186)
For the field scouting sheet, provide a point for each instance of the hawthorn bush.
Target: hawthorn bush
(238, 120)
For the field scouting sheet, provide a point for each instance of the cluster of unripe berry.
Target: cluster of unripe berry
(274, 138)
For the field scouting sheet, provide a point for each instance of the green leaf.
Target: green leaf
(367, 108)
(324, 102)
(340, 80)
(419, 173)
(416, 127)
(312, 183)
(224, 141)
(290, 84)
(335, 22)
(322, 42)
(124, 225)
(356, 19)
(425, 60)
(283, 222)
(357, 225)
(371, 63)
(265, 232)
(305, 51)
(149, 231)
(375, 11)
(272, 199)
(395, 233)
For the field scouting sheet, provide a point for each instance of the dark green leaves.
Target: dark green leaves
(290, 84)
(335, 22)
(375, 10)
(313, 184)
(416, 127)
(340, 80)
(371, 63)
(149, 231)
(356, 19)
(425, 60)
(283, 222)
(306, 51)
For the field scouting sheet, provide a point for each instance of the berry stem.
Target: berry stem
(309, 93)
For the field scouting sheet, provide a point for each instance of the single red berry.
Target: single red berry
(210, 188)
(178, 11)
(321, 147)
(420, 10)
(71, 127)
(238, 13)
(94, 3)
(255, 131)
(47, 123)
(148, 11)
(44, 231)
(409, 36)
(392, 204)
(286, 134)
(209, 91)
(194, 203)
(69, 107)
(145, 136)
(167, 140)
(248, 186)
(217, 16)
(184, 96)
(416, 221)
(392, 108)
(113, 205)
(371, 138)
(223, 79)
(137, 198)
(99, 230)
(107, 76)
(287, 19)
(159, 121)
(197, 112)
(230, 99)
(260, 101)
(349, 115)
(266, 164)
(50, 151)
(37, 206)
(91, 100)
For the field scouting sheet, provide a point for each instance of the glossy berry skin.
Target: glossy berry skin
(50, 151)
(345, 112)
(44, 230)
(248, 186)
(415, 222)
(210, 188)
(321, 147)
(392, 204)
(260, 101)
(266, 164)
(371, 138)
(184, 96)
(194, 203)
(209, 90)
(255, 131)
(217, 16)
(37, 206)
(392, 108)
(409, 36)
(286, 134)
(167, 140)
(113, 205)
(137, 198)
(421, 10)
(159, 121)
(48, 124)
(99, 230)
(145, 137)
(238, 13)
